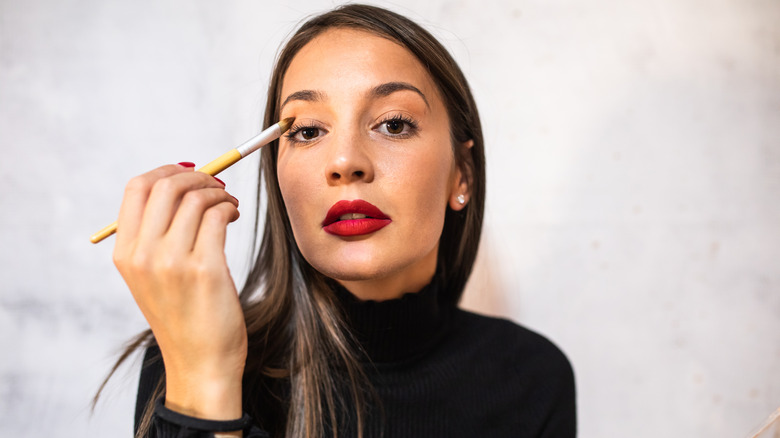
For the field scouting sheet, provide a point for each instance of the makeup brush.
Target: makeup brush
(223, 162)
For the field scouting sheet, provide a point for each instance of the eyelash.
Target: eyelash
(295, 129)
(411, 126)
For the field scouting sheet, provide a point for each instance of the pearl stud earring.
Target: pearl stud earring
(461, 199)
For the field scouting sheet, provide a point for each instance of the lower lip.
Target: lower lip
(356, 227)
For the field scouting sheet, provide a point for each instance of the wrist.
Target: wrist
(216, 428)
(207, 398)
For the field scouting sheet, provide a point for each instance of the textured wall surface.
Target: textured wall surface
(633, 213)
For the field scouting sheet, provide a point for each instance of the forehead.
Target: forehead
(350, 61)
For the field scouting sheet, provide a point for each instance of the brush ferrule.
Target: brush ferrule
(260, 139)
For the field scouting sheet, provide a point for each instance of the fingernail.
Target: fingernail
(219, 180)
(187, 164)
(235, 199)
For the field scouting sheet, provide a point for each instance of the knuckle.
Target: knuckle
(220, 213)
(167, 264)
(150, 265)
(164, 185)
(138, 184)
(119, 259)
(139, 261)
(202, 270)
(195, 198)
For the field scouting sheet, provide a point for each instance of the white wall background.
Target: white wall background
(634, 189)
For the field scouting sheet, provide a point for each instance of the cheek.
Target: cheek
(434, 174)
(295, 189)
(424, 182)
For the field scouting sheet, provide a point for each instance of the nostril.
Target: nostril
(335, 175)
(359, 173)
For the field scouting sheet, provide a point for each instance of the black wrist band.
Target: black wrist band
(199, 423)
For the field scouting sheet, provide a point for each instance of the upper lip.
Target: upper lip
(358, 206)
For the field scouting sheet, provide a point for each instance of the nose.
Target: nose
(349, 161)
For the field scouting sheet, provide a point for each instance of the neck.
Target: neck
(395, 330)
(412, 279)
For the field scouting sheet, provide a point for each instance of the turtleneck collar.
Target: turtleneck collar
(398, 329)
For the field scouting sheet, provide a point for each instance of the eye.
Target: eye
(397, 126)
(304, 133)
(309, 133)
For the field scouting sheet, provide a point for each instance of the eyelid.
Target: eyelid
(299, 126)
(411, 122)
(394, 114)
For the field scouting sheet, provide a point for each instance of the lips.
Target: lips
(354, 218)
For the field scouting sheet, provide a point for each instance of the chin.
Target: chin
(349, 264)
(347, 271)
(369, 263)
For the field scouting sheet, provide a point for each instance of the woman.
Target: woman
(374, 209)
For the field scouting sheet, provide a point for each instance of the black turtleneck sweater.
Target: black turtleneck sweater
(439, 372)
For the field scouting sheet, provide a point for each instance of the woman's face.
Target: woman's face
(367, 170)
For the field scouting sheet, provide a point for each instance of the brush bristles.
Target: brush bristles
(285, 124)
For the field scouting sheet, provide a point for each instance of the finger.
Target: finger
(165, 198)
(135, 198)
(186, 224)
(213, 229)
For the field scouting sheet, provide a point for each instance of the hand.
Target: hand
(170, 251)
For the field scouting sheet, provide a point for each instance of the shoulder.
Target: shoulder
(516, 353)
(507, 338)
(522, 369)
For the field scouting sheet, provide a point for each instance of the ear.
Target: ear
(461, 183)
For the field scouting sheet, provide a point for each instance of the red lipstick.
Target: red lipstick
(354, 218)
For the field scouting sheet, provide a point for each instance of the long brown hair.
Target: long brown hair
(301, 368)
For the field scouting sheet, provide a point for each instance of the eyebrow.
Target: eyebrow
(389, 88)
(382, 90)
(304, 95)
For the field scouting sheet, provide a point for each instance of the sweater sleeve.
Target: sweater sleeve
(166, 423)
(563, 417)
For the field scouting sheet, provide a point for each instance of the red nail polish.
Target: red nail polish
(235, 199)
(187, 164)
(219, 180)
